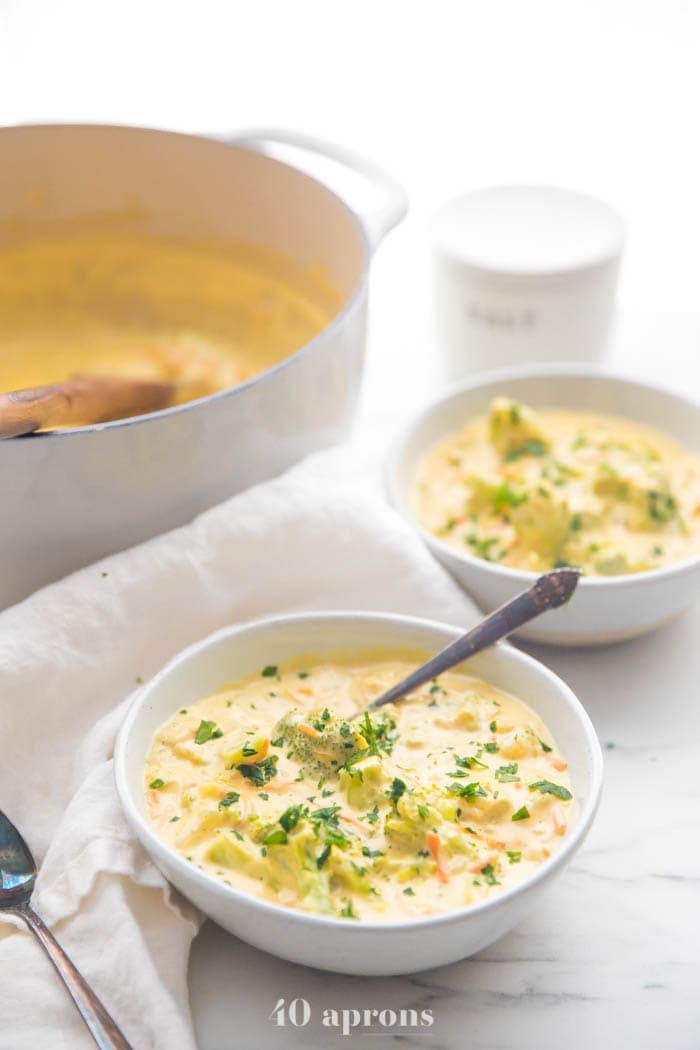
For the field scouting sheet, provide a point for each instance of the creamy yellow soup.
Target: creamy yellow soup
(542, 489)
(426, 806)
(204, 316)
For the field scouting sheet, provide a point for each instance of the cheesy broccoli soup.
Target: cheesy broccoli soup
(435, 803)
(203, 316)
(544, 489)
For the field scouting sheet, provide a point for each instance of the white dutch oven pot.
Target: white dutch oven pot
(73, 496)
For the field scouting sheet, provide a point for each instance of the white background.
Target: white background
(599, 96)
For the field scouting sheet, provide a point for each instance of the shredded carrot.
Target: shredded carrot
(353, 821)
(558, 762)
(305, 690)
(308, 730)
(433, 841)
(559, 819)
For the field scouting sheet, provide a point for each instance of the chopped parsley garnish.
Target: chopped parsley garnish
(514, 856)
(373, 815)
(207, 731)
(576, 522)
(483, 548)
(492, 726)
(290, 817)
(528, 448)
(323, 856)
(545, 747)
(548, 788)
(378, 736)
(470, 762)
(367, 852)
(522, 814)
(488, 873)
(260, 772)
(249, 749)
(270, 671)
(326, 813)
(505, 496)
(277, 837)
(423, 811)
(508, 773)
(491, 747)
(229, 798)
(303, 674)
(397, 789)
(157, 783)
(279, 742)
(347, 912)
(409, 892)
(173, 819)
(468, 791)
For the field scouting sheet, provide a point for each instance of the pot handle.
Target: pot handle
(376, 222)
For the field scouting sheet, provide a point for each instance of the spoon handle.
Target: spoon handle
(102, 1028)
(548, 592)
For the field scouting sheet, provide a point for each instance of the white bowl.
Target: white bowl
(603, 609)
(329, 943)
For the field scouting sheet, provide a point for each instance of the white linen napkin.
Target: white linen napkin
(69, 656)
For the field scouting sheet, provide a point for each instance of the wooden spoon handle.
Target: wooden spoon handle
(79, 401)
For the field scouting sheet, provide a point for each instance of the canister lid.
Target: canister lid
(528, 231)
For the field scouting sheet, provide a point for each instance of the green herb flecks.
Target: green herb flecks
(229, 798)
(489, 874)
(260, 772)
(508, 773)
(548, 788)
(207, 731)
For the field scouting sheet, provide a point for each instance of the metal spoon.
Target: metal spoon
(548, 592)
(17, 878)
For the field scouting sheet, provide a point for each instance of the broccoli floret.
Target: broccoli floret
(319, 742)
(514, 430)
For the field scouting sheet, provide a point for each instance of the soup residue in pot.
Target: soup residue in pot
(544, 489)
(422, 807)
(203, 316)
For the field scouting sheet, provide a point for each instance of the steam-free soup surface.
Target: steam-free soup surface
(426, 806)
(542, 489)
(202, 315)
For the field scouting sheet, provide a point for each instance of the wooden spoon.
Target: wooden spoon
(79, 401)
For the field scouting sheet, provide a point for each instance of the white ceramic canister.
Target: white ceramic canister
(524, 273)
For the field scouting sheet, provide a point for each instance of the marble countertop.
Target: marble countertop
(611, 956)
